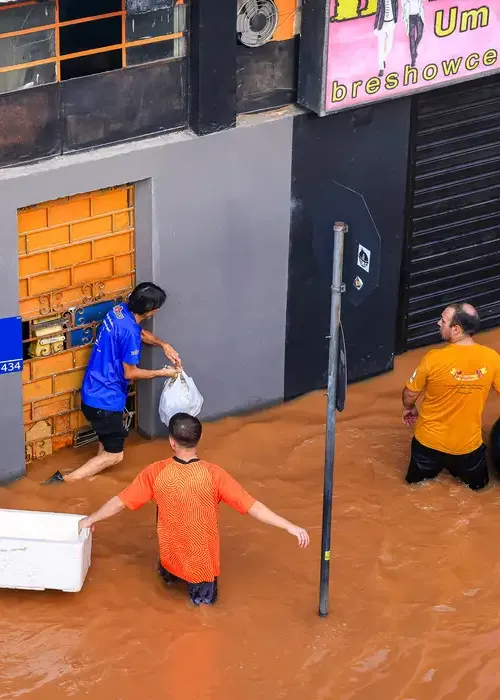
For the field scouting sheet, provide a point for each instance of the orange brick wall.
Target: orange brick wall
(75, 241)
(73, 252)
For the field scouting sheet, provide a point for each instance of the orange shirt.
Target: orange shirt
(188, 497)
(456, 380)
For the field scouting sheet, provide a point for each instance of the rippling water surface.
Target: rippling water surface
(415, 594)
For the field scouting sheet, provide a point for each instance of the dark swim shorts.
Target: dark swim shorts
(109, 427)
(205, 592)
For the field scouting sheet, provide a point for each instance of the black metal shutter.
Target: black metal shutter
(454, 223)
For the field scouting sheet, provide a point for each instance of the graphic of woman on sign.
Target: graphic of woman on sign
(413, 15)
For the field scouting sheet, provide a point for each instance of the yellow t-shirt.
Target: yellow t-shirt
(456, 380)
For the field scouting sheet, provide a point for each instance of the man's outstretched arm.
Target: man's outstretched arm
(108, 510)
(262, 513)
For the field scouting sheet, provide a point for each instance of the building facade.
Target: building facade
(162, 140)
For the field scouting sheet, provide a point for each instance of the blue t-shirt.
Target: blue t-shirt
(118, 341)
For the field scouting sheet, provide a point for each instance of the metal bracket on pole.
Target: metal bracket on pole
(338, 287)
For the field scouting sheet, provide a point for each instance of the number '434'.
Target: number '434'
(10, 367)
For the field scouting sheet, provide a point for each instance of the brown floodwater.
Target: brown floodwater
(415, 579)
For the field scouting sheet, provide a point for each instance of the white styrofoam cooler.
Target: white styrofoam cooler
(43, 550)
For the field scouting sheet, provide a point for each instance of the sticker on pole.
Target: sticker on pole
(364, 256)
(11, 345)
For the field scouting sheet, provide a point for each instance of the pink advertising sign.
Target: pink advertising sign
(379, 49)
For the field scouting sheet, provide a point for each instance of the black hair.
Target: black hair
(468, 321)
(146, 297)
(185, 429)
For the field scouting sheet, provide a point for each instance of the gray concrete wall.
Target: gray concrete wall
(213, 218)
(11, 409)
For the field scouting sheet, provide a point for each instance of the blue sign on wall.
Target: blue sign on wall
(11, 345)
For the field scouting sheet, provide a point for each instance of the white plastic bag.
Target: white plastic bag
(179, 395)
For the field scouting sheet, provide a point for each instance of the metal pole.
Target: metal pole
(339, 231)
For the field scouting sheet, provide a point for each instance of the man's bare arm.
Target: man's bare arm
(150, 339)
(262, 513)
(108, 510)
(410, 397)
(132, 372)
(410, 411)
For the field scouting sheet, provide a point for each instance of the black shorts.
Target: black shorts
(426, 463)
(205, 592)
(109, 427)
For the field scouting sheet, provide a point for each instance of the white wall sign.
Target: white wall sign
(364, 257)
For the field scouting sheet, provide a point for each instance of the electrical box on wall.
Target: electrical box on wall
(356, 52)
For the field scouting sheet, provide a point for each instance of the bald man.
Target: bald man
(455, 382)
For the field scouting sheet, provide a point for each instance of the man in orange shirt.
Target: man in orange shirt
(188, 491)
(456, 381)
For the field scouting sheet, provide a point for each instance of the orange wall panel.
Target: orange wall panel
(78, 420)
(33, 263)
(51, 365)
(82, 356)
(92, 272)
(122, 220)
(70, 297)
(114, 245)
(50, 282)
(26, 375)
(60, 441)
(110, 201)
(124, 264)
(29, 308)
(118, 284)
(23, 288)
(72, 255)
(69, 211)
(48, 239)
(48, 407)
(37, 390)
(32, 219)
(68, 381)
(91, 228)
(62, 423)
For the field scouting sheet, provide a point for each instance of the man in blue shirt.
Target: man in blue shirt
(113, 363)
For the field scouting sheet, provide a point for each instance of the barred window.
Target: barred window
(45, 42)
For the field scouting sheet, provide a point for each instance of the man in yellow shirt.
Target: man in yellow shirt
(456, 381)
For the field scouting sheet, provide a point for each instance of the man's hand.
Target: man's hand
(85, 524)
(169, 372)
(301, 535)
(172, 355)
(410, 416)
